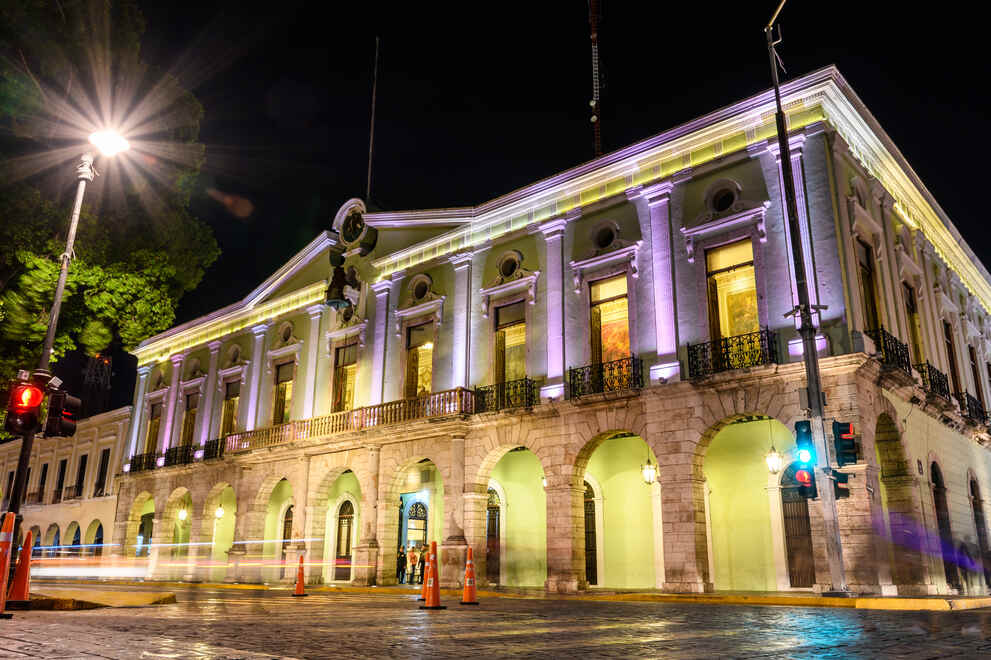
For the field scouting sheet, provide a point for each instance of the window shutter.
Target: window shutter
(412, 369)
(596, 331)
(500, 356)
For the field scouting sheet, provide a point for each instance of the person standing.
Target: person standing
(412, 565)
(401, 565)
(420, 563)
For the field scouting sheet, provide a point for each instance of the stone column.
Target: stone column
(168, 427)
(658, 198)
(454, 548)
(553, 233)
(254, 379)
(156, 553)
(312, 354)
(565, 537)
(137, 410)
(206, 405)
(891, 300)
(686, 560)
(380, 337)
(461, 340)
(859, 541)
(366, 554)
(476, 504)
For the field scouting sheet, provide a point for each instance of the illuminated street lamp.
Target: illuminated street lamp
(774, 461)
(649, 472)
(219, 513)
(110, 143)
(183, 514)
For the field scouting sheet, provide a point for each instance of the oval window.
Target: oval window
(605, 237)
(420, 290)
(508, 267)
(723, 200)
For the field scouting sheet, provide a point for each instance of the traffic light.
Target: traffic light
(23, 407)
(63, 411)
(805, 476)
(804, 448)
(841, 487)
(845, 444)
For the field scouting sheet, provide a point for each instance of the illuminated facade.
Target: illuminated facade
(504, 375)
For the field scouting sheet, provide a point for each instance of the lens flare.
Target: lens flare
(110, 143)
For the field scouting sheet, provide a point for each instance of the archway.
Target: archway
(518, 480)
(140, 526)
(341, 529)
(946, 547)
(37, 542)
(74, 536)
(981, 526)
(218, 519)
(415, 514)
(745, 526)
(798, 531)
(94, 538)
(495, 532)
(278, 531)
(53, 539)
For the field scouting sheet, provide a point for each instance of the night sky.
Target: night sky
(477, 99)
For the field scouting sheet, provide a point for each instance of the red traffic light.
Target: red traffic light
(843, 429)
(25, 397)
(803, 477)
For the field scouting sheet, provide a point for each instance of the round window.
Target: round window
(420, 290)
(723, 200)
(508, 267)
(235, 355)
(605, 237)
(287, 333)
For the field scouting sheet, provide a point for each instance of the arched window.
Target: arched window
(798, 531)
(943, 523)
(591, 563)
(982, 529)
(345, 524)
(98, 540)
(492, 537)
(416, 523)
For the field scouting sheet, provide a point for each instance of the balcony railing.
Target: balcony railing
(971, 408)
(438, 404)
(750, 350)
(56, 496)
(36, 497)
(213, 449)
(100, 490)
(73, 492)
(181, 455)
(894, 354)
(142, 462)
(934, 381)
(615, 376)
(520, 393)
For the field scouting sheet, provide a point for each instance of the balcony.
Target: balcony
(100, 490)
(181, 455)
(894, 354)
(142, 462)
(971, 408)
(73, 493)
(934, 381)
(520, 393)
(754, 349)
(438, 404)
(615, 376)
(213, 449)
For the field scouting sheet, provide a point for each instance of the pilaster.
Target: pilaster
(170, 408)
(454, 548)
(461, 340)
(380, 336)
(254, 380)
(137, 409)
(206, 408)
(553, 233)
(315, 314)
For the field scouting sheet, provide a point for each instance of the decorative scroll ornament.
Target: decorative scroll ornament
(627, 254)
(520, 279)
(742, 213)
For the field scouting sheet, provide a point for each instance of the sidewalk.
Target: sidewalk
(48, 597)
(932, 603)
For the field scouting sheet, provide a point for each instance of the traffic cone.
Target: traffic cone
(433, 582)
(299, 579)
(6, 543)
(470, 597)
(18, 598)
(423, 577)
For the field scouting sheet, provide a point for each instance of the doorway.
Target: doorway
(492, 538)
(798, 531)
(345, 526)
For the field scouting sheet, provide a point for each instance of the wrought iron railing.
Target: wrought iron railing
(971, 408)
(213, 449)
(750, 350)
(181, 455)
(614, 376)
(100, 490)
(934, 381)
(73, 492)
(894, 353)
(437, 404)
(520, 393)
(142, 462)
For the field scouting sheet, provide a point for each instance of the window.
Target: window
(81, 475)
(510, 342)
(41, 483)
(60, 482)
(419, 360)
(951, 356)
(345, 369)
(154, 423)
(732, 288)
(24, 491)
(189, 418)
(283, 392)
(976, 373)
(914, 327)
(868, 285)
(610, 321)
(228, 417)
(10, 484)
(100, 489)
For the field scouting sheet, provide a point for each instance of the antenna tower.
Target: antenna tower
(371, 130)
(596, 119)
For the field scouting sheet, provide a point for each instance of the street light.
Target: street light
(110, 143)
(183, 514)
(774, 461)
(649, 471)
(219, 513)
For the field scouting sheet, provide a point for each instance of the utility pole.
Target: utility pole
(596, 119)
(834, 549)
(371, 130)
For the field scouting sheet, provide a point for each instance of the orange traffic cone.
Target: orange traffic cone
(470, 597)
(433, 582)
(6, 543)
(423, 576)
(17, 598)
(299, 579)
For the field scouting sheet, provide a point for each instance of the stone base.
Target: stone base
(365, 558)
(452, 565)
(687, 587)
(562, 585)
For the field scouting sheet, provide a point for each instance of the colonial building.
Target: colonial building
(509, 375)
(70, 500)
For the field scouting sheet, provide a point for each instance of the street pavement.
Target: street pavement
(208, 623)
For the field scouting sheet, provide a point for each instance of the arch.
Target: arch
(278, 508)
(946, 546)
(981, 527)
(345, 489)
(176, 525)
(346, 514)
(94, 538)
(139, 524)
(407, 484)
(523, 553)
(53, 539)
(73, 538)
(219, 530)
(37, 541)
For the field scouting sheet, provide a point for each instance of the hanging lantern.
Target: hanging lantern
(219, 513)
(183, 514)
(774, 461)
(649, 472)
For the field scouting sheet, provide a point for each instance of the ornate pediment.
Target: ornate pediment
(626, 255)
(709, 222)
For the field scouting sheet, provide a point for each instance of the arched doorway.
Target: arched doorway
(591, 560)
(798, 531)
(345, 538)
(493, 526)
(278, 532)
(286, 539)
(518, 479)
(980, 524)
(53, 539)
(140, 525)
(94, 538)
(946, 548)
(36, 542)
(340, 532)
(218, 519)
(74, 534)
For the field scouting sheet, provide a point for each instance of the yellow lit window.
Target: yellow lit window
(189, 418)
(283, 393)
(732, 290)
(510, 343)
(610, 320)
(419, 360)
(154, 423)
(345, 368)
(228, 419)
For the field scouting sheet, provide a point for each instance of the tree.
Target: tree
(138, 250)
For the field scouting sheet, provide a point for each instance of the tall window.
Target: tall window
(345, 369)
(27, 480)
(510, 342)
(283, 392)
(41, 483)
(60, 481)
(982, 529)
(610, 320)
(914, 325)
(868, 284)
(10, 483)
(228, 418)
(976, 373)
(951, 356)
(154, 423)
(189, 418)
(81, 475)
(732, 288)
(100, 489)
(419, 360)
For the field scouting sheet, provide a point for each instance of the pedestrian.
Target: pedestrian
(401, 565)
(421, 564)
(412, 566)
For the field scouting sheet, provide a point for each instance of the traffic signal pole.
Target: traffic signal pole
(84, 174)
(834, 550)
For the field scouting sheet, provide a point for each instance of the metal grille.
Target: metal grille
(213, 449)
(750, 350)
(591, 565)
(520, 393)
(934, 381)
(615, 376)
(971, 408)
(181, 455)
(894, 354)
(798, 538)
(141, 462)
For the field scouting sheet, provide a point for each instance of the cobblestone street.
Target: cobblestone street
(232, 624)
